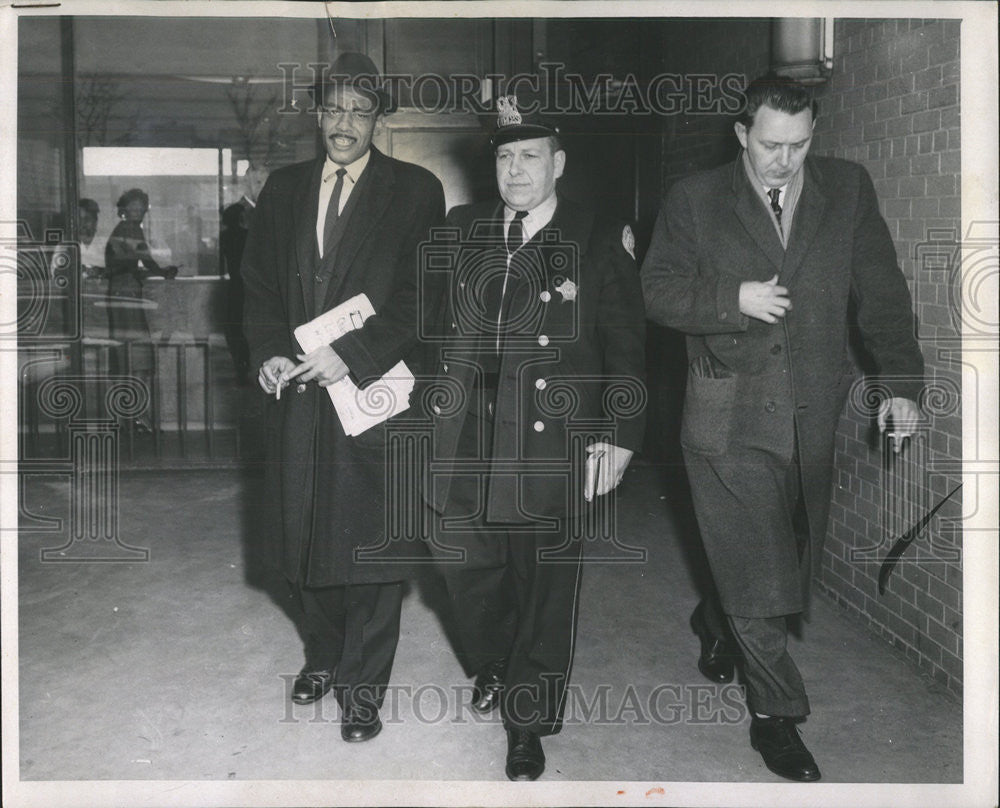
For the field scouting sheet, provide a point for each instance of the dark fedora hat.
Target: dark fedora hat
(357, 71)
(512, 124)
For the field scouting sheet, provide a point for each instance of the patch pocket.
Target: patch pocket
(708, 413)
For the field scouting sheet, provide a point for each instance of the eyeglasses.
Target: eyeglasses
(355, 115)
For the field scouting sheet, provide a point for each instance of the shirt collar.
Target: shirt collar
(537, 217)
(764, 190)
(353, 169)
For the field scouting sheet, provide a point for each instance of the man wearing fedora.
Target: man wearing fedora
(324, 231)
(543, 334)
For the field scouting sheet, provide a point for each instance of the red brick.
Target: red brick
(896, 127)
(951, 162)
(941, 52)
(913, 57)
(922, 208)
(943, 185)
(926, 121)
(913, 102)
(942, 635)
(943, 96)
(940, 141)
(950, 117)
(925, 143)
(873, 131)
(876, 92)
(925, 164)
(913, 186)
(926, 79)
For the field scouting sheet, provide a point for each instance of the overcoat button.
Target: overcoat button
(543, 340)
(454, 326)
(319, 279)
(540, 384)
(300, 388)
(776, 349)
(724, 315)
(770, 407)
(437, 409)
(546, 296)
(445, 368)
(539, 426)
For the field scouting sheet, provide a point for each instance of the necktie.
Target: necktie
(333, 212)
(515, 231)
(775, 195)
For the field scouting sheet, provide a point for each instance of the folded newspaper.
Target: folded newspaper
(357, 409)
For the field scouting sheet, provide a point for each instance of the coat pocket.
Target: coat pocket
(708, 412)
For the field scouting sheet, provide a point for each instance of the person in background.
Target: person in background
(232, 240)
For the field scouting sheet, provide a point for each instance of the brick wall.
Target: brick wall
(891, 104)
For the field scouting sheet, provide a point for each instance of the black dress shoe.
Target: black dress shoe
(488, 689)
(525, 758)
(311, 685)
(716, 658)
(777, 739)
(360, 723)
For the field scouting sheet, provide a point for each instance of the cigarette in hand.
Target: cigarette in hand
(277, 387)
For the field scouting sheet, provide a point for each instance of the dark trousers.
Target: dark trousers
(523, 611)
(774, 684)
(353, 629)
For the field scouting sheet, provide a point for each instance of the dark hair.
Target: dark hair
(130, 196)
(778, 92)
(89, 205)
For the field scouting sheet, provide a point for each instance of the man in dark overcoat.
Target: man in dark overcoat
(324, 231)
(544, 360)
(756, 261)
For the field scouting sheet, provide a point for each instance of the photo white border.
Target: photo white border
(979, 140)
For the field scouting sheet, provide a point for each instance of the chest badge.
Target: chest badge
(628, 241)
(568, 290)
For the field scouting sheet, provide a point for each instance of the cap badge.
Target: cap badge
(507, 107)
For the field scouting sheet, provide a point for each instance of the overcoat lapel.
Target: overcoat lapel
(375, 196)
(808, 215)
(306, 252)
(750, 211)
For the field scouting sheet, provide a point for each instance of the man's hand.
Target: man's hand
(604, 470)
(323, 365)
(274, 372)
(764, 301)
(905, 414)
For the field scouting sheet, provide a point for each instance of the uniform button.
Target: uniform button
(770, 407)
(454, 326)
(461, 285)
(538, 426)
(546, 296)
(319, 279)
(437, 409)
(543, 340)
(300, 388)
(540, 384)
(445, 368)
(776, 349)
(724, 315)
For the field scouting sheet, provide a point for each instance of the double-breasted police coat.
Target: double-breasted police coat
(571, 366)
(758, 393)
(325, 489)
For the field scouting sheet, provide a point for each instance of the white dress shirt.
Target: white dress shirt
(326, 190)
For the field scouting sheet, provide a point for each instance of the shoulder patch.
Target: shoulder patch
(628, 241)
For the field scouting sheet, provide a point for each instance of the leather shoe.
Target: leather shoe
(525, 759)
(716, 659)
(360, 723)
(777, 739)
(488, 688)
(311, 685)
